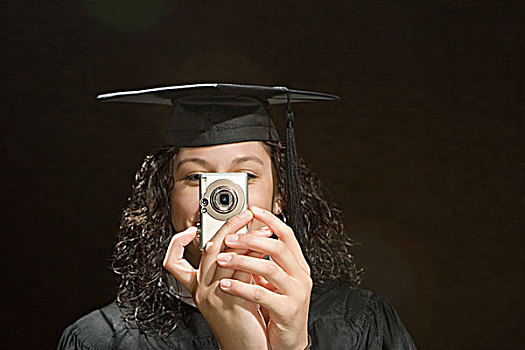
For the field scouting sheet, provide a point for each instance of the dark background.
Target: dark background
(424, 151)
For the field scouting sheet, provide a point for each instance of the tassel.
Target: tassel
(292, 172)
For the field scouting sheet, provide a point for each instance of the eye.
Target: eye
(192, 177)
(252, 175)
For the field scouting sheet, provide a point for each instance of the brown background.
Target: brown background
(424, 151)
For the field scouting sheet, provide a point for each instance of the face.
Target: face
(249, 157)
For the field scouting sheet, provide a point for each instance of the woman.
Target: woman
(174, 296)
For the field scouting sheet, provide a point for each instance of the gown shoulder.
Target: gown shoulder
(340, 317)
(346, 318)
(94, 331)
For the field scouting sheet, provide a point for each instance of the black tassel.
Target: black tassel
(292, 172)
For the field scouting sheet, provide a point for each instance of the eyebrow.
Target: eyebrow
(247, 159)
(238, 160)
(192, 160)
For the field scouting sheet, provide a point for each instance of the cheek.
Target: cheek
(184, 207)
(260, 194)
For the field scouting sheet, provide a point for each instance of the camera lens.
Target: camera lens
(224, 198)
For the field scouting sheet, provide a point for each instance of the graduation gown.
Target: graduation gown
(339, 318)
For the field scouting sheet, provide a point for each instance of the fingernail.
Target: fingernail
(257, 210)
(244, 214)
(232, 238)
(225, 283)
(208, 246)
(189, 230)
(224, 257)
(264, 231)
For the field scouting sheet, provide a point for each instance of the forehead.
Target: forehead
(226, 153)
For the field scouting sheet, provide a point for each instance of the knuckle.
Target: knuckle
(246, 239)
(308, 270)
(280, 247)
(236, 260)
(258, 295)
(167, 263)
(309, 283)
(234, 220)
(288, 231)
(272, 268)
(227, 227)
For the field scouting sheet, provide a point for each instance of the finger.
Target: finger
(283, 232)
(241, 275)
(262, 232)
(174, 260)
(263, 283)
(208, 262)
(273, 302)
(223, 272)
(266, 268)
(279, 251)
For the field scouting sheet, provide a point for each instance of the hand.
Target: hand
(235, 322)
(283, 284)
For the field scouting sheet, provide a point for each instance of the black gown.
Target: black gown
(339, 318)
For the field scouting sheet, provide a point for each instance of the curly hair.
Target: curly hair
(146, 229)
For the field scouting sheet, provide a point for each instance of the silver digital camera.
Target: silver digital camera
(221, 196)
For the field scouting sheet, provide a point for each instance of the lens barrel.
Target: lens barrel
(223, 199)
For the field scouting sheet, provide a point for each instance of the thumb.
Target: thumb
(174, 260)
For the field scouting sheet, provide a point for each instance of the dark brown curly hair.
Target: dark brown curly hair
(146, 230)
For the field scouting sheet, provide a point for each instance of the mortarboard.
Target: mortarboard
(214, 114)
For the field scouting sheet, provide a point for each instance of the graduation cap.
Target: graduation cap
(215, 114)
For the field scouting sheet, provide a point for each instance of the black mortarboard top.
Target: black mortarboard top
(214, 114)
